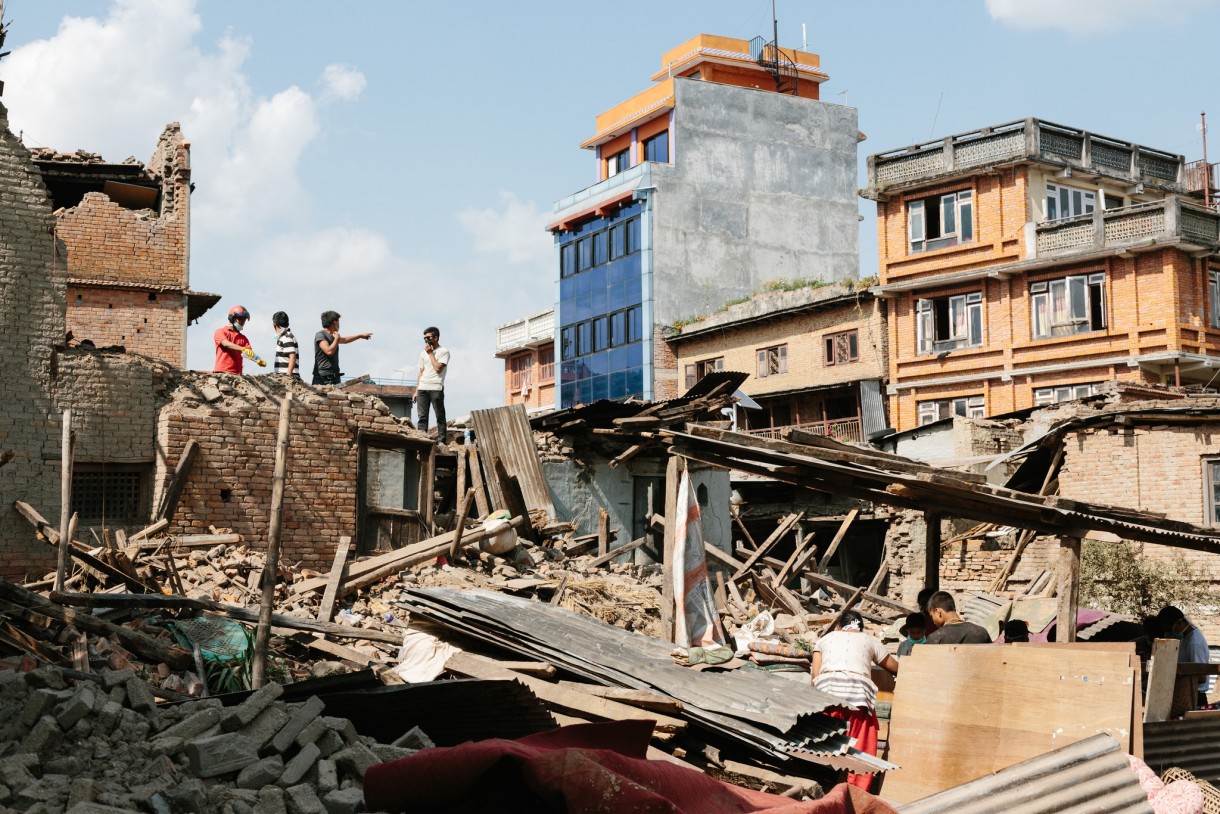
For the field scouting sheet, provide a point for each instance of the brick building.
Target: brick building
(527, 347)
(726, 173)
(1026, 263)
(123, 231)
(816, 358)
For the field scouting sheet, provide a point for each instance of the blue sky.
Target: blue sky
(396, 161)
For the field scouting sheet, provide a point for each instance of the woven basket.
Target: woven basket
(1211, 795)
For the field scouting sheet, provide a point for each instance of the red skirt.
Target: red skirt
(861, 725)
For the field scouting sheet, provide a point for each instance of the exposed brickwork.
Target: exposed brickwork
(666, 381)
(31, 323)
(540, 390)
(142, 252)
(231, 482)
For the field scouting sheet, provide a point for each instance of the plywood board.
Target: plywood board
(505, 431)
(964, 711)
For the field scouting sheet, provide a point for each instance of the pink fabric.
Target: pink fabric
(1178, 797)
(580, 769)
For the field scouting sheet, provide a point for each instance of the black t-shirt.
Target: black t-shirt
(323, 365)
(960, 633)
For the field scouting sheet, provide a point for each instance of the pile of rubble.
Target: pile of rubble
(84, 743)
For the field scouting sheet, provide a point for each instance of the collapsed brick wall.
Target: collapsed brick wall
(31, 324)
(106, 243)
(231, 483)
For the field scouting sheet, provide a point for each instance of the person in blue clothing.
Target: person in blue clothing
(915, 629)
(1194, 650)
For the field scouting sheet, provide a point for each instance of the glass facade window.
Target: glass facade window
(618, 162)
(657, 148)
(601, 311)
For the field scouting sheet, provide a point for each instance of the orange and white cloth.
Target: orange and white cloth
(696, 623)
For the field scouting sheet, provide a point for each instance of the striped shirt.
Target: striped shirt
(285, 346)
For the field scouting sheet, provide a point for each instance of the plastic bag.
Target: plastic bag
(502, 537)
(761, 625)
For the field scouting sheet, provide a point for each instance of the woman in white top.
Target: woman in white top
(842, 666)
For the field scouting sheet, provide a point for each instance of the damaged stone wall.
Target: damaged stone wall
(143, 252)
(235, 421)
(31, 323)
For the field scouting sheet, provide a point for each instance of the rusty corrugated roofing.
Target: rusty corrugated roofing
(1192, 744)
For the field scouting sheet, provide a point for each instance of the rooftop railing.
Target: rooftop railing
(1029, 139)
(1170, 219)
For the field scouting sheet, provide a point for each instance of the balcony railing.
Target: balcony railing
(842, 429)
(527, 332)
(1021, 140)
(1166, 220)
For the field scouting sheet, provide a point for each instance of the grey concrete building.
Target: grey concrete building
(726, 174)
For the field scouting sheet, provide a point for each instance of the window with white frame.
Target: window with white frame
(947, 323)
(940, 409)
(1213, 297)
(941, 221)
(1054, 395)
(772, 361)
(1067, 202)
(618, 162)
(1068, 305)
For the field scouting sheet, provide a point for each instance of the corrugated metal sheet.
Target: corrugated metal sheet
(1192, 744)
(872, 407)
(505, 431)
(1086, 777)
(766, 711)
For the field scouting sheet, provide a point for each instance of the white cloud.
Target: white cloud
(1086, 17)
(515, 231)
(343, 82)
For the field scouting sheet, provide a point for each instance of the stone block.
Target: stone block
(345, 728)
(386, 752)
(77, 707)
(328, 776)
(271, 801)
(263, 773)
(116, 678)
(416, 738)
(81, 790)
(302, 799)
(330, 742)
(264, 727)
(47, 678)
(296, 769)
(50, 790)
(245, 712)
(355, 759)
(193, 726)
(301, 718)
(312, 731)
(37, 704)
(69, 765)
(344, 801)
(220, 754)
(98, 808)
(45, 734)
(15, 770)
(139, 696)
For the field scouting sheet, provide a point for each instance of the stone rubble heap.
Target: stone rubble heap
(95, 747)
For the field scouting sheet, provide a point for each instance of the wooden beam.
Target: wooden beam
(149, 531)
(338, 568)
(598, 562)
(78, 550)
(783, 528)
(65, 498)
(460, 489)
(838, 540)
(603, 531)
(852, 601)
(627, 454)
(877, 599)
(882, 570)
(181, 472)
(238, 612)
(1162, 673)
(1069, 588)
(262, 635)
(476, 482)
(510, 488)
(644, 699)
(459, 524)
(142, 645)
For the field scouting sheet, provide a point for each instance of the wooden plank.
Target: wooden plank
(460, 489)
(1069, 588)
(852, 601)
(326, 610)
(149, 531)
(598, 562)
(65, 498)
(961, 712)
(627, 454)
(459, 523)
(581, 703)
(103, 571)
(476, 482)
(802, 553)
(603, 531)
(505, 432)
(782, 529)
(824, 564)
(931, 551)
(181, 472)
(882, 570)
(830, 582)
(514, 500)
(1162, 671)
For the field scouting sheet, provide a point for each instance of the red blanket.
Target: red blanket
(582, 769)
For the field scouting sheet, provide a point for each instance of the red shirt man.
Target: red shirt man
(230, 341)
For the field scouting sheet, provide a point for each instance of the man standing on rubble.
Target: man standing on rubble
(326, 344)
(1193, 650)
(287, 355)
(952, 628)
(430, 387)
